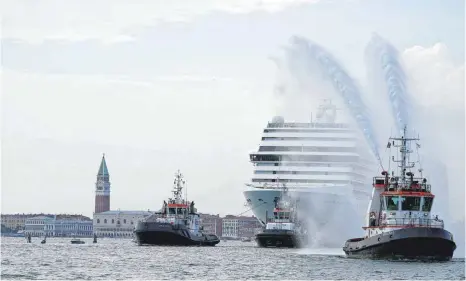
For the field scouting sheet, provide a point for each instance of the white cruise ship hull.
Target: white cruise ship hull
(326, 213)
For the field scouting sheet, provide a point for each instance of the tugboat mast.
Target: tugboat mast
(178, 187)
(404, 151)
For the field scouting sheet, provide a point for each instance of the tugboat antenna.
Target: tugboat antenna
(405, 151)
(178, 187)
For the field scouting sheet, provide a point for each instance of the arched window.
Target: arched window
(131, 222)
(98, 220)
(113, 221)
(105, 220)
(124, 221)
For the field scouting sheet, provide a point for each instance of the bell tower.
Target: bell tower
(102, 188)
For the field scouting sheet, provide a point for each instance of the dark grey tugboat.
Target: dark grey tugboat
(284, 229)
(177, 224)
(400, 225)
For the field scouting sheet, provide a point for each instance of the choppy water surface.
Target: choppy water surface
(122, 259)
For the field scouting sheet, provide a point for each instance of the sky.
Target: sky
(160, 86)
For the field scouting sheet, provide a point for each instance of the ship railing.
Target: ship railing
(414, 222)
(158, 215)
(394, 185)
(307, 125)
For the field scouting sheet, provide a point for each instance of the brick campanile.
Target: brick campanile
(102, 188)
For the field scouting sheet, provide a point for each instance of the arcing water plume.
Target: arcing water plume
(304, 68)
(435, 109)
(383, 59)
(305, 57)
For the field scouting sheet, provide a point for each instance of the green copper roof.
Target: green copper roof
(103, 171)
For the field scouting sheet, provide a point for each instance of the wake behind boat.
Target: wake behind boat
(400, 224)
(177, 224)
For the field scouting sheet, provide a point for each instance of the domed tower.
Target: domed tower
(102, 188)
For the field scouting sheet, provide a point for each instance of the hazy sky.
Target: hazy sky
(164, 85)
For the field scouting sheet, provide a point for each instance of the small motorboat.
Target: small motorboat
(77, 241)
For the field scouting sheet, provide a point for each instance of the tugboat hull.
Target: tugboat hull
(279, 239)
(163, 234)
(420, 243)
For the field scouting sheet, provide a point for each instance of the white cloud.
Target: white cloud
(437, 80)
(112, 20)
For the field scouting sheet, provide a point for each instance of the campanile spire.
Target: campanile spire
(102, 188)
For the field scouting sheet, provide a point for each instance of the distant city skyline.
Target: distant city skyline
(190, 87)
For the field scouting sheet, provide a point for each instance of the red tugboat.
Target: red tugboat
(400, 225)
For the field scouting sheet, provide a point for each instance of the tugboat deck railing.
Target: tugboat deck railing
(157, 215)
(410, 222)
(393, 184)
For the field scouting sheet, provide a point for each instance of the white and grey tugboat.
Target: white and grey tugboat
(399, 220)
(283, 229)
(177, 224)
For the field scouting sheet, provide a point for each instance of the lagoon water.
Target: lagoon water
(116, 259)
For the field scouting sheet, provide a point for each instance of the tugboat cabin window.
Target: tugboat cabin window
(173, 211)
(281, 215)
(427, 204)
(392, 203)
(410, 203)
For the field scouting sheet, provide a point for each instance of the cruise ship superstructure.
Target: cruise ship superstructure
(324, 163)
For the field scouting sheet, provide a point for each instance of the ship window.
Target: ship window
(284, 215)
(427, 204)
(410, 203)
(392, 203)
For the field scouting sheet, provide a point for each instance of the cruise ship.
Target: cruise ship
(326, 164)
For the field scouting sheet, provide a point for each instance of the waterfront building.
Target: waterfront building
(35, 226)
(58, 226)
(111, 223)
(70, 227)
(239, 226)
(249, 227)
(17, 221)
(117, 223)
(211, 224)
